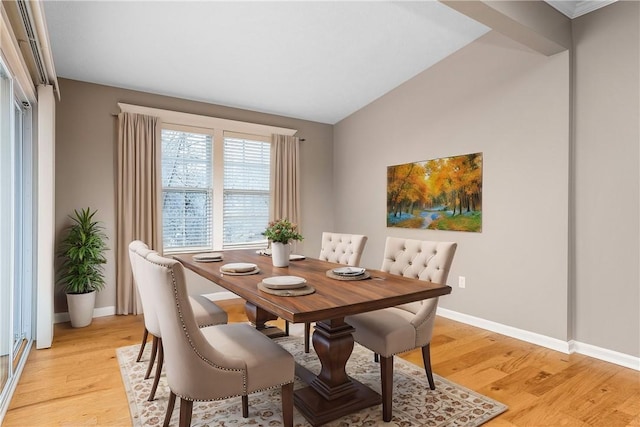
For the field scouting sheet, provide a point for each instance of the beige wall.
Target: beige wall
(86, 135)
(559, 251)
(512, 104)
(607, 180)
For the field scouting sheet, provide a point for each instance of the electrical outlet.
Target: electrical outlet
(462, 282)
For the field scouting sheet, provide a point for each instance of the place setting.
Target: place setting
(239, 269)
(286, 286)
(348, 273)
(208, 257)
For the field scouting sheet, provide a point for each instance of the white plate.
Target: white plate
(238, 267)
(208, 257)
(244, 273)
(349, 271)
(284, 282)
(294, 257)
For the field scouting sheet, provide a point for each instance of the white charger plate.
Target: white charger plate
(349, 271)
(208, 257)
(238, 267)
(284, 282)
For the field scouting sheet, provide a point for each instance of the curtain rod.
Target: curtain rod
(117, 114)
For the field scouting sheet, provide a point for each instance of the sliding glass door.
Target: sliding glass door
(16, 235)
(6, 232)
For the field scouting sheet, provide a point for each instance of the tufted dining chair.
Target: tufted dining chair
(342, 249)
(394, 330)
(206, 312)
(214, 362)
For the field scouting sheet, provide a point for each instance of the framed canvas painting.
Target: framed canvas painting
(438, 194)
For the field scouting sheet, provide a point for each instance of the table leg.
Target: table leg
(258, 317)
(332, 394)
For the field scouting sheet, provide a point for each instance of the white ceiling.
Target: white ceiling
(319, 61)
(314, 60)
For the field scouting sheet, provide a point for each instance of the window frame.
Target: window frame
(217, 176)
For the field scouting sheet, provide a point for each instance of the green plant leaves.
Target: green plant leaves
(82, 251)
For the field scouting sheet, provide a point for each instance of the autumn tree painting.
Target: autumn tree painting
(440, 194)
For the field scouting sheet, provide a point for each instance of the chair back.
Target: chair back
(190, 360)
(419, 259)
(423, 260)
(144, 289)
(342, 248)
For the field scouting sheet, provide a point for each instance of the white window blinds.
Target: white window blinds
(187, 190)
(246, 191)
(215, 189)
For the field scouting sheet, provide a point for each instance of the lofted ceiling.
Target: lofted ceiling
(319, 61)
(576, 8)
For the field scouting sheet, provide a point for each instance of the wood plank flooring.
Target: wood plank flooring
(77, 382)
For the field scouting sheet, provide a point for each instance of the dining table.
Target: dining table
(331, 393)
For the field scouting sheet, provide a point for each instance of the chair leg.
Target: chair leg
(245, 406)
(186, 407)
(144, 342)
(307, 336)
(170, 404)
(154, 350)
(287, 405)
(386, 376)
(426, 358)
(286, 327)
(156, 378)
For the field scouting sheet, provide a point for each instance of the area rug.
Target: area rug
(414, 404)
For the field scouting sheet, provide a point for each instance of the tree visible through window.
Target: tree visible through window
(187, 190)
(192, 188)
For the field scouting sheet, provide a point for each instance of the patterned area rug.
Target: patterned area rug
(414, 404)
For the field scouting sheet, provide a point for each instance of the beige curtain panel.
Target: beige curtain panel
(138, 190)
(285, 178)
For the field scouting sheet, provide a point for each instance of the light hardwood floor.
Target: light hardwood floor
(77, 381)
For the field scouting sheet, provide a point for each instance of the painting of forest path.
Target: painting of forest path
(438, 194)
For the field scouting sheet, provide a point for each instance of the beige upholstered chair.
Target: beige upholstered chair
(398, 329)
(342, 249)
(215, 362)
(206, 312)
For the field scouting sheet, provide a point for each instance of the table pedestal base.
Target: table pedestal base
(258, 317)
(318, 410)
(332, 394)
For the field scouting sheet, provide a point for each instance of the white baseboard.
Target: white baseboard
(510, 331)
(97, 312)
(569, 347)
(607, 355)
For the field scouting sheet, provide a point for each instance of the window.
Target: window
(187, 190)
(246, 191)
(215, 189)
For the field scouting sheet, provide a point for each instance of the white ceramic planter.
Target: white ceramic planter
(81, 308)
(280, 254)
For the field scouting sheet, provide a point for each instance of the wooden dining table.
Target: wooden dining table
(331, 393)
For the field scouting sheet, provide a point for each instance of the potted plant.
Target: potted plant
(82, 273)
(280, 233)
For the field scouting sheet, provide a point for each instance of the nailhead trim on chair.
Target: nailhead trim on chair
(431, 316)
(184, 328)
